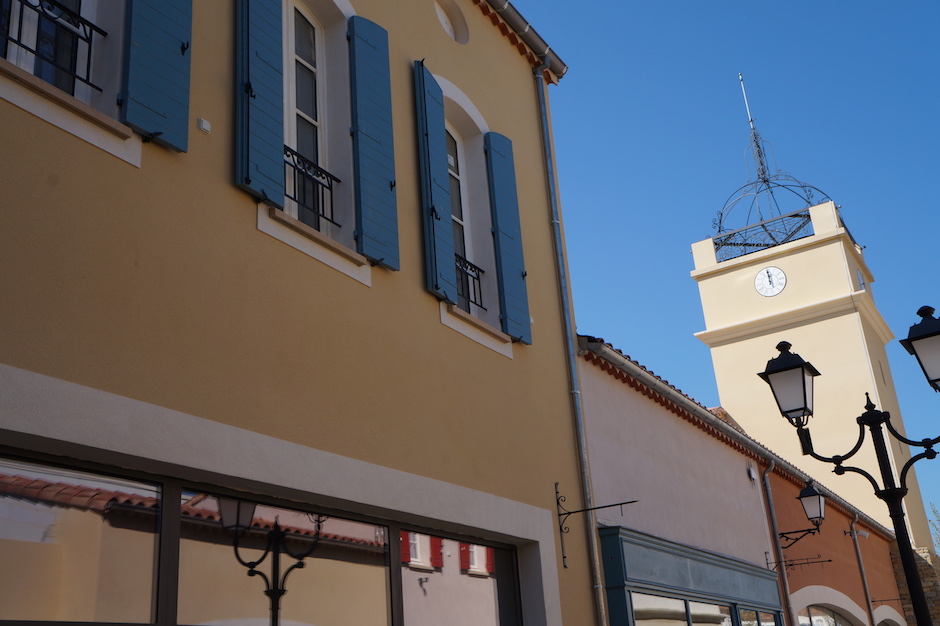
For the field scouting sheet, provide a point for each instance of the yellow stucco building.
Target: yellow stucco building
(304, 254)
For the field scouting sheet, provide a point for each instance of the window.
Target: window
(308, 185)
(294, 114)
(52, 39)
(474, 259)
(468, 275)
(473, 581)
(79, 51)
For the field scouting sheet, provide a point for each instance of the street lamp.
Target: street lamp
(236, 516)
(790, 379)
(923, 341)
(814, 505)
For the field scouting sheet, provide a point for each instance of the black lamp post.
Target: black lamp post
(814, 505)
(236, 516)
(790, 378)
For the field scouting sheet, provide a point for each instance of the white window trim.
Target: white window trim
(476, 329)
(313, 243)
(50, 104)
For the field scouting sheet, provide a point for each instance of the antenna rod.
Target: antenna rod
(750, 120)
(756, 143)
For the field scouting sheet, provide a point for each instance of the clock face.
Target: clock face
(770, 281)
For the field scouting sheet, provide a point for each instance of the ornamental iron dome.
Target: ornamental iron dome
(776, 204)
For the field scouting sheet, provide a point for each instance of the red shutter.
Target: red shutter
(405, 542)
(437, 553)
(491, 560)
(464, 556)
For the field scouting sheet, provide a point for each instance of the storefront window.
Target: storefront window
(78, 546)
(344, 579)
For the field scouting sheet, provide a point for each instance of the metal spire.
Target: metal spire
(771, 207)
(756, 143)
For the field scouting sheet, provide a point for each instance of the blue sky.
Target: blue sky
(650, 132)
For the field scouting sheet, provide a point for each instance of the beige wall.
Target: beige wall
(154, 283)
(691, 488)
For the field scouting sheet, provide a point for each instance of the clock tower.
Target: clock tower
(813, 291)
(799, 276)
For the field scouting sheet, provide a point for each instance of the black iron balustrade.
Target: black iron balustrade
(311, 187)
(468, 283)
(59, 40)
(766, 234)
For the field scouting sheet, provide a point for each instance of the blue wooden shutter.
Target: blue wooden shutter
(373, 145)
(156, 73)
(440, 268)
(259, 100)
(507, 233)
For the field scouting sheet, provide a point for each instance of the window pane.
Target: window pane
(456, 205)
(452, 587)
(711, 614)
(306, 91)
(307, 139)
(84, 545)
(343, 582)
(749, 618)
(452, 163)
(304, 39)
(658, 611)
(767, 619)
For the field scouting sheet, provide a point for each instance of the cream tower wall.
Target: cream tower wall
(827, 312)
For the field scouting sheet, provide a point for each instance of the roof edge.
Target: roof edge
(657, 385)
(529, 36)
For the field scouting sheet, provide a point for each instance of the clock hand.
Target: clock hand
(770, 278)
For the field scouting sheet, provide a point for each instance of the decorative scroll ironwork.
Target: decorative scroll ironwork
(468, 282)
(766, 234)
(564, 514)
(56, 40)
(789, 564)
(311, 187)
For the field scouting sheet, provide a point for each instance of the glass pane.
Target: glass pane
(343, 581)
(304, 39)
(460, 246)
(456, 203)
(456, 583)
(452, 164)
(748, 618)
(306, 91)
(658, 611)
(767, 619)
(83, 545)
(307, 145)
(711, 614)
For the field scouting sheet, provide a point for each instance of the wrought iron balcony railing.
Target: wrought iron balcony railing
(468, 284)
(50, 39)
(766, 234)
(311, 187)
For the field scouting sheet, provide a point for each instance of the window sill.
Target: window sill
(63, 111)
(314, 244)
(61, 98)
(475, 329)
(421, 567)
